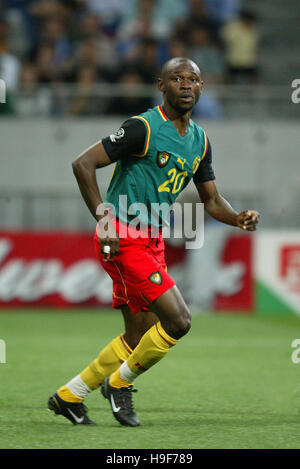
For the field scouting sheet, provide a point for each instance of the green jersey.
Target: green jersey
(154, 163)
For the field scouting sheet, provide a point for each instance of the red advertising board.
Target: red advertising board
(60, 269)
(50, 269)
(290, 266)
(238, 249)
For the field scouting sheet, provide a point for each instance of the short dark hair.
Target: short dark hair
(174, 62)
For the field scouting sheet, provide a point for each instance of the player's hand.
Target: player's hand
(247, 220)
(108, 237)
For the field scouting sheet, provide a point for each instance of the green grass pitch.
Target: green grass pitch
(230, 383)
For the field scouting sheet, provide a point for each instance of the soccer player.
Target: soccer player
(155, 155)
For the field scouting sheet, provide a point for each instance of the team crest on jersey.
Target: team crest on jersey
(156, 278)
(162, 158)
(196, 163)
(118, 135)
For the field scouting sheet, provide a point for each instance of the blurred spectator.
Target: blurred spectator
(110, 12)
(198, 11)
(199, 17)
(87, 55)
(146, 61)
(29, 25)
(131, 104)
(86, 102)
(208, 107)
(45, 16)
(55, 35)
(9, 64)
(135, 25)
(241, 48)
(33, 100)
(47, 72)
(91, 42)
(90, 27)
(152, 17)
(18, 40)
(53, 9)
(177, 48)
(223, 10)
(204, 52)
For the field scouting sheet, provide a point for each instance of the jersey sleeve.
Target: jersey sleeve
(205, 170)
(129, 140)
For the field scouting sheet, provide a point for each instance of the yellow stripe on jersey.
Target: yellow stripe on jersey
(205, 147)
(113, 173)
(146, 147)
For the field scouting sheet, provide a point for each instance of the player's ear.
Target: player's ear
(160, 85)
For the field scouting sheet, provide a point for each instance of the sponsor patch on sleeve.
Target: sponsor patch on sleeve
(117, 136)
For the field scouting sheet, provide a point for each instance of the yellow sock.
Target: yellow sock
(108, 360)
(153, 346)
(66, 395)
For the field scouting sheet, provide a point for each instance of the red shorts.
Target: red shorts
(138, 271)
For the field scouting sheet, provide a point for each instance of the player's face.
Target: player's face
(182, 87)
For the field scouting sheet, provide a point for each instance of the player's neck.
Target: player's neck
(180, 121)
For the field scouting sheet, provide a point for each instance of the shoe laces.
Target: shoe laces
(82, 409)
(126, 394)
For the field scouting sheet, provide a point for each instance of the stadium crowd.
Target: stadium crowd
(84, 43)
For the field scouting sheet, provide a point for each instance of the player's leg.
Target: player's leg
(118, 350)
(136, 325)
(70, 396)
(174, 323)
(68, 400)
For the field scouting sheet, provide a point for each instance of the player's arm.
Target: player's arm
(128, 140)
(221, 210)
(214, 203)
(84, 168)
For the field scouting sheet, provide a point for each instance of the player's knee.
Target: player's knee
(184, 323)
(181, 324)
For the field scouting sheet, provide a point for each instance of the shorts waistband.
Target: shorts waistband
(149, 232)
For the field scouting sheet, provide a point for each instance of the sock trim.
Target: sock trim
(164, 335)
(66, 395)
(124, 343)
(78, 387)
(127, 374)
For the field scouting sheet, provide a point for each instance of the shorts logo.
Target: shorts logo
(118, 135)
(162, 158)
(156, 278)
